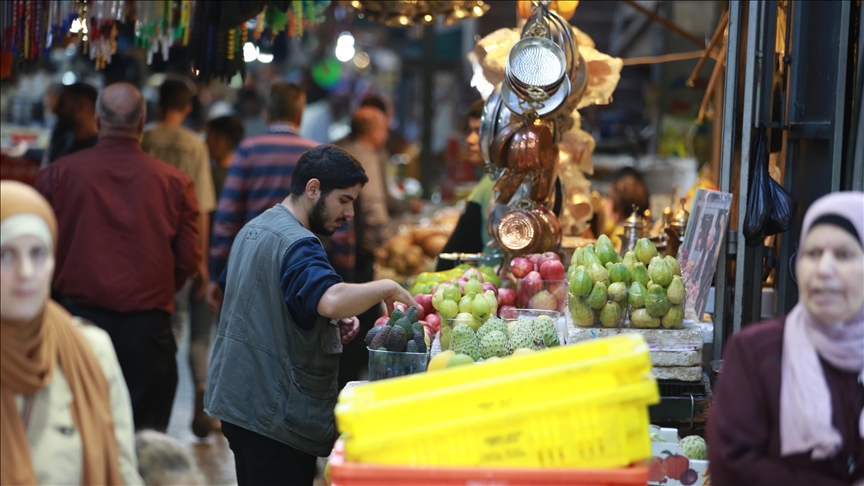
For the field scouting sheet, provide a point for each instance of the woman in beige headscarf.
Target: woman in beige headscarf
(65, 415)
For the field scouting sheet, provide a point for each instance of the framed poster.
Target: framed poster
(709, 218)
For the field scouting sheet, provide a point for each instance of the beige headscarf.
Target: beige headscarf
(28, 355)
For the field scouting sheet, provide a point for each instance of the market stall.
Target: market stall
(492, 335)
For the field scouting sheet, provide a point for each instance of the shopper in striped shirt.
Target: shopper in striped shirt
(259, 176)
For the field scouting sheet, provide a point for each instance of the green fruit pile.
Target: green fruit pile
(604, 287)
(403, 333)
(472, 308)
(599, 281)
(657, 292)
(498, 339)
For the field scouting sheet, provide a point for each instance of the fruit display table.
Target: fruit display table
(677, 357)
(675, 353)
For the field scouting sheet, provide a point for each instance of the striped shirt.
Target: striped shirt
(258, 179)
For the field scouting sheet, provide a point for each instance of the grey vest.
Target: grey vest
(268, 375)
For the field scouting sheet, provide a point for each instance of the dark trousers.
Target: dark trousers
(263, 461)
(146, 350)
(354, 359)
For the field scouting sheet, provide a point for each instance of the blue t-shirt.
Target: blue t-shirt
(306, 275)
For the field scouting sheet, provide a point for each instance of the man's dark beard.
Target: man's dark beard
(319, 217)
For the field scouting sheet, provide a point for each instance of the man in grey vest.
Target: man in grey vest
(285, 317)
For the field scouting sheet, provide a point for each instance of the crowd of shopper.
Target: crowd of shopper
(107, 258)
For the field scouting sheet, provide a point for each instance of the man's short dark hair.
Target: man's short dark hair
(287, 101)
(80, 92)
(332, 166)
(174, 94)
(375, 101)
(630, 190)
(229, 127)
(476, 109)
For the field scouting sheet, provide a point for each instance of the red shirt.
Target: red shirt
(127, 227)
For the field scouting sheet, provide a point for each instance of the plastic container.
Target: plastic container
(387, 364)
(611, 311)
(511, 315)
(447, 329)
(344, 473)
(584, 405)
(542, 295)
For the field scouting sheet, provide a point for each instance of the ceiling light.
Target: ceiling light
(250, 52)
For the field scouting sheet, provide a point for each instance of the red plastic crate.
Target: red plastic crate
(353, 474)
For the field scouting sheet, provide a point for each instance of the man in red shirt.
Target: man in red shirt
(128, 238)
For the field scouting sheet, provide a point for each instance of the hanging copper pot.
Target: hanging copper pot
(507, 186)
(521, 231)
(498, 152)
(551, 233)
(544, 183)
(531, 148)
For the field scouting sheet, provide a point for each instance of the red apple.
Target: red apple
(522, 297)
(506, 297)
(434, 321)
(473, 271)
(399, 305)
(532, 283)
(543, 300)
(490, 286)
(552, 270)
(421, 312)
(382, 321)
(559, 290)
(429, 332)
(520, 267)
(425, 301)
(461, 281)
(551, 255)
(507, 312)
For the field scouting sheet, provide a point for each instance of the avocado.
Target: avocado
(418, 339)
(396, 339)
(371, 335)
(412, 314)
(394, 317)
(380, 338)
(417, 327)
(405, 324)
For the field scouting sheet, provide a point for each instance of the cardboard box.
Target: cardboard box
(666, 448)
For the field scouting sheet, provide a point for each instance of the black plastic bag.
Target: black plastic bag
(783, 207)
(758, 197)
(770, 208)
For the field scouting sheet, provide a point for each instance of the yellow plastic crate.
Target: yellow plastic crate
(421, 383)
(574, 406)
(504, 391)
(600, 429)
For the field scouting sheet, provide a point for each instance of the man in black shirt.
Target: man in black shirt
(76, 122)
